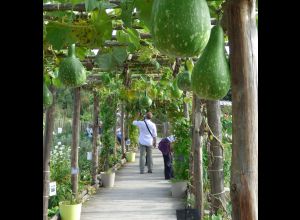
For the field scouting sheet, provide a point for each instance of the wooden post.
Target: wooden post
(75, 141)
(242, 33)
(198, 168)
(185, 107)
(48, 135)
(191, 167)
(126, 127)
(123, 130)
(216, 161)
(115, 136)
(95, 138)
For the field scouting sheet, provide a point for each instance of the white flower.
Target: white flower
(59, 143)
(55, 146)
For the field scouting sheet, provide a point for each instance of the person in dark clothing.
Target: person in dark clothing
(166, 149)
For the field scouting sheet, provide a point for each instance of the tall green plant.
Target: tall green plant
(182, 148)
(108, 115)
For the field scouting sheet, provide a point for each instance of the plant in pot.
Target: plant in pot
(181, 152)
(133, 137)
(130, 155)
(108, 140)
(70, 208)
(108, 174)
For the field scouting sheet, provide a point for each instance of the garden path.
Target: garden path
(135, 196)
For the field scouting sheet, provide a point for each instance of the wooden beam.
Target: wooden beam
(69, 6)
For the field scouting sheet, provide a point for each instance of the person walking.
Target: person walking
(147, 140)
(166, 149)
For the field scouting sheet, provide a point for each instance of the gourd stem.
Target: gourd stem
(71, 50)
(185, 65)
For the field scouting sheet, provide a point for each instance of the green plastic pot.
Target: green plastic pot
(69, 212)
(130, 156)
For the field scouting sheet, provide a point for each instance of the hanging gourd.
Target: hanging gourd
(71, 71)
(145, 101)
(47, 96)
(180, 28)
(211, 74)
(175, 91)
(184, 79)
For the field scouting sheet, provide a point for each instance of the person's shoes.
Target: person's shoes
(149, 171)
(141, 172)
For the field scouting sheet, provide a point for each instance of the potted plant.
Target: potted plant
(70, 209)
(132, 143)
(108, 178)
(181, 153)
(130, 154)
(178, 187)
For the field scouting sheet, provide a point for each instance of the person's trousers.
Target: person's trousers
(143, 150)
(168, 166)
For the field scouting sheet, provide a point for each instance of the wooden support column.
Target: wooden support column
(95, 138)
(198, 168)
(186, 107)
(126, 128)
(48, 135)
(123, 130)
(191, 166)
(75, 141)
(216, 160)
(242, 33)
(126, 82)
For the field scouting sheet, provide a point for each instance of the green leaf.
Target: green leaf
(81, 52)
(145, 54)
(127, 7)
(105, 61)
(57, 34)
(122, 37)
(103, 26)
(145, 9)
(47, 79)
(107, 5)
(134, 37)
(90, 5)
(57, 83)
(216, 217)
(120, 55)
(76, 1)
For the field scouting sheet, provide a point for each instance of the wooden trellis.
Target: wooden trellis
(243, 58)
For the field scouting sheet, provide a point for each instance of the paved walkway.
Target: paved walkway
(135, 196)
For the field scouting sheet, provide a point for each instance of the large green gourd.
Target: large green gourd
(175, 91)
(180, 28)
(47, 97)
(71, 71)
(211, 74)
(184, 81)
(145, 101)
